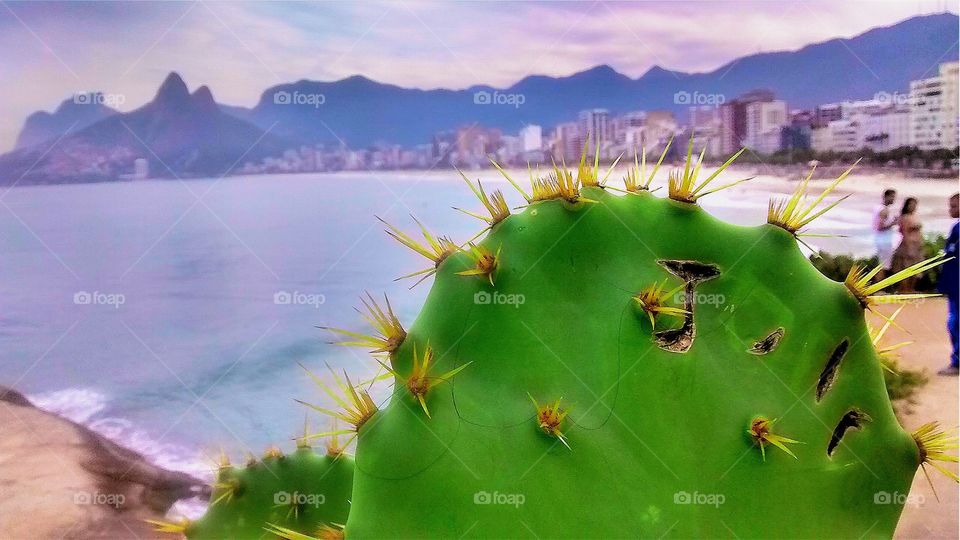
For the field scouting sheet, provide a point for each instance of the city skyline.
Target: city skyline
(68, 48)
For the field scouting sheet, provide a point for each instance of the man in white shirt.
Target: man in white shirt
(883, 232)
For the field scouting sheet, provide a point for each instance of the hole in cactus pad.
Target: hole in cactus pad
(853, 419)
(680, 340)
(690, 271)
(768, 343)
(829, 372)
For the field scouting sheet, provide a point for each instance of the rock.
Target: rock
(62, 480)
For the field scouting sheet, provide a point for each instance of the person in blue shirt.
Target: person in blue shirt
(948, 284)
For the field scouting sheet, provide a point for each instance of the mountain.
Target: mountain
(359, 111)
(72, 115)
(178, 133)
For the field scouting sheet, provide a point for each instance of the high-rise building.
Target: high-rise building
(950, 73)
(733, 119)
(567, 141)
(531, 138)
(595, 126)
(933, 109)
(764, 123)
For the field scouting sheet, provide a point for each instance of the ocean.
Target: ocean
(171, 315)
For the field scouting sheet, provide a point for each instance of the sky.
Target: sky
(52, 50)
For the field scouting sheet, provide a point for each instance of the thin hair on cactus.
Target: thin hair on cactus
(793, 214)
(419, 382)
(334, 448)
(652, 299)
(437, 248)
(933, 444)
(333, 531)
(590, 176)
(181, 526)
(550, 419)
(485, 262)
(389, 332)
(858, 282)
(760, 432)
(358, 406)
(495, 204)
(887, 354)
(227, 490)
(636, 179)
(562, 184)
(683, 186)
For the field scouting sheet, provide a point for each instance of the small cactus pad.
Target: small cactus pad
(302, 492)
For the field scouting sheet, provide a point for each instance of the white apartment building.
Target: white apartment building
(765, 120)
(886, 129)
(531, 138)
(933, 109)
(950, 73)
(837, 136)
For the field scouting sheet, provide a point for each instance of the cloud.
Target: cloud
(239, 49)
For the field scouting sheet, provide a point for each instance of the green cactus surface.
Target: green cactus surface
(301, 491)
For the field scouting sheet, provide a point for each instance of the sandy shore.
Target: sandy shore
(61, 480)
(925, 325)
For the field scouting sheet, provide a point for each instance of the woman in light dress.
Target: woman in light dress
(910, 250)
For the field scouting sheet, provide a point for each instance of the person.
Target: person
(883, 223)
(948, 284)
(910, 250)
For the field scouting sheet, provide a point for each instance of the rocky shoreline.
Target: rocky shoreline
(59, 479)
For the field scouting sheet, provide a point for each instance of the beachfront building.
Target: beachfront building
(950, 73)
(627, 129)
(764, 122)
(837, 136)
(885, 129)
(531, 138)
(567, 142)
(732, 116)
(595, 127)
(824, 114)
(933, 109)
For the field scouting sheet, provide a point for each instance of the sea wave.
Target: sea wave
(89, 407)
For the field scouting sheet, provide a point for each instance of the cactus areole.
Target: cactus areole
(751, 406)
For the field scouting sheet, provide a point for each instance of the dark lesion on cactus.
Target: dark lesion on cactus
(852, 419)
(692, 273)
(768, 343)
(829, 373)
